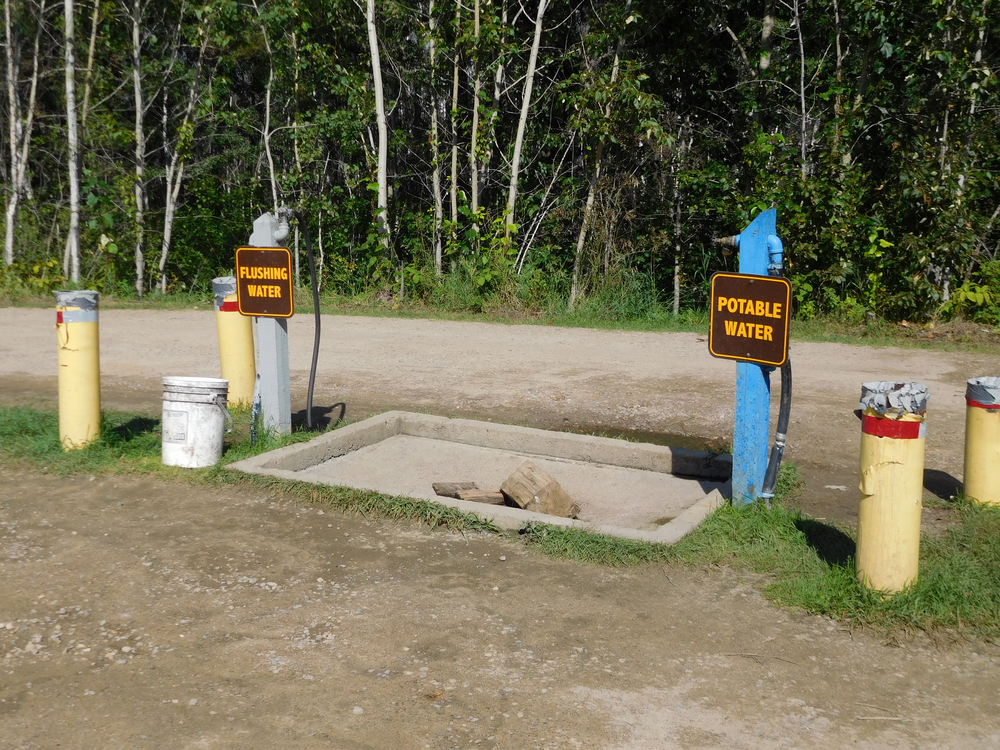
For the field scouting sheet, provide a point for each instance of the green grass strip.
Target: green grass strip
(807, 563)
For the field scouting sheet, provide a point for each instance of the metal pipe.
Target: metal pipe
(315, 291)
(780, 435)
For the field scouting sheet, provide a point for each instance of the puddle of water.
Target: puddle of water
(715, 445)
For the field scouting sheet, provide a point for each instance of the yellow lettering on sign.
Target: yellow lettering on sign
(723, 301)
(730, 327)
(768, 330)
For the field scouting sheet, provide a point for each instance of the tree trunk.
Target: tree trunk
(498, 76)
(88, 76)
(529, 79)
(581, 238)
(803, 114)
(382, 210)
(474, 141)
(453, 188)
(175, 170)
(595, 176)
(435, 146)
(766, 42)
(678, 207)
(267, 112)
(20, 126)
(73, 143)
(140, 152)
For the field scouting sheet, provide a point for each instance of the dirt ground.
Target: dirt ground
(136, 613)
(140, 614)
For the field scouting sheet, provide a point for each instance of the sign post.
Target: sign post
(264, 290)
(753, 381)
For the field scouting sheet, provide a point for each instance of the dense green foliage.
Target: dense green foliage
(873, 126)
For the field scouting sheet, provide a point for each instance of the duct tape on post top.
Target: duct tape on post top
(983, 392)
(223, 287)
(86, 300)
(890, 400)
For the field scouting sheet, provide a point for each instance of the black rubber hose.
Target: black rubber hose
(781, 434)
(315, 291)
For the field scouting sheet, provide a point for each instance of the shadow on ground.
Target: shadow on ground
(135, 427)
(833, 546)
(322, 416)
(942, 484)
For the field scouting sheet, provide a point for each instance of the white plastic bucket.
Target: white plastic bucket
(194, 421)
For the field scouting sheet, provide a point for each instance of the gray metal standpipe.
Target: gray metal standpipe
(272, 393)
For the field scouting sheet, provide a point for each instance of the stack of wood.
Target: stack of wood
(528, 488)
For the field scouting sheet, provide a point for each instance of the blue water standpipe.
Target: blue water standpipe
(775, 253)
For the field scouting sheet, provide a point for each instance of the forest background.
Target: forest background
(540, 153)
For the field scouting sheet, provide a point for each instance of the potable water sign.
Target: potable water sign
(749, 318)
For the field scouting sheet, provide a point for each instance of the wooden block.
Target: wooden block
(451, 489)
(532, 489)
(490, 497)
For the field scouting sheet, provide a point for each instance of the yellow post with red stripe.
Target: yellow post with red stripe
(79, 366)
(236, 350)
(982, 441)
(890, 498)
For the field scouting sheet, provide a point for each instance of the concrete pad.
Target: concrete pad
(635, 490)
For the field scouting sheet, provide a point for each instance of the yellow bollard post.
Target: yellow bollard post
(79, 360)
(236, 350)
(891, 489)
(982, 441)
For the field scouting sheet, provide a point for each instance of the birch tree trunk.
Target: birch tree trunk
(766, 42)
(474, 140)
(529, 79)
(139, 188)
(382, 208)
(20, 126)
(595, 176)
(803, 114)
(682, 146)
(435, 146)
(453, 188)
(88, 75)
(175, 169)
(581, 238)
(73, 142)
(267, 112)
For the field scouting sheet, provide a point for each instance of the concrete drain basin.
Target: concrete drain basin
(634, 490)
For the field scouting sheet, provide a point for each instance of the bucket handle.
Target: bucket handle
(220, 401)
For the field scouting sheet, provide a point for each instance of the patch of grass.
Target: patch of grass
(363, 502)
(590, 547)
(808, 564)
(128, 442)
(958, 587)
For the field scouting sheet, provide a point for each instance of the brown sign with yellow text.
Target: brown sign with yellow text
(264, 282)
(749, 319)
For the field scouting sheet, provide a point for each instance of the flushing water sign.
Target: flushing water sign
(749, 319)
(264, 282)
